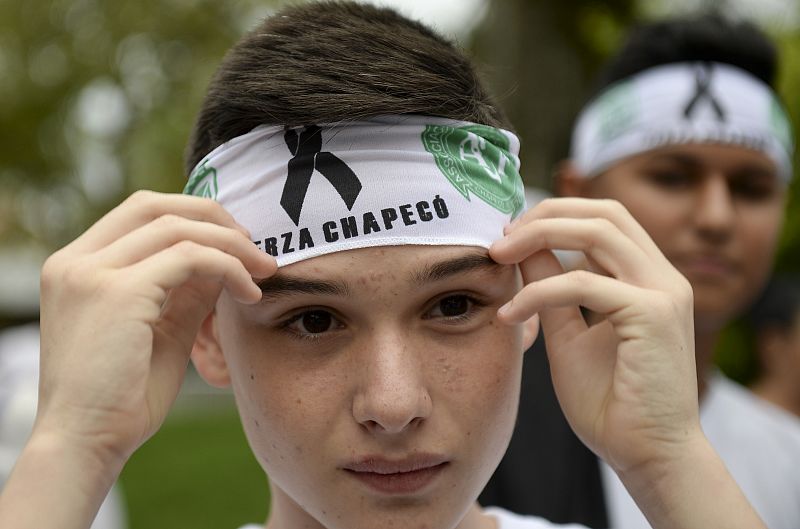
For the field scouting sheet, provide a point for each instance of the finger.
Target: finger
(598, 238)
(565, 319)
(598, 293)
(174, 334)
(168, 230)
(145, 206)
(186, 260)
(591, 208)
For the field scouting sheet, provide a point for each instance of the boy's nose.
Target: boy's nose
(392, 396)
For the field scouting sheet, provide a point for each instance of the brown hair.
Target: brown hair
(328, 62)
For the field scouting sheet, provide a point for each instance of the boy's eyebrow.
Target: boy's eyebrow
(458, 265)
(283, 285)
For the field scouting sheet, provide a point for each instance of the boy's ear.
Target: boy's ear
(568, 182)
(530, 330)
(207, 354)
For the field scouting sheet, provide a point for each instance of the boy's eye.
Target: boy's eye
(454, 306)
(457, 306)
(312, 322)
(316, 321)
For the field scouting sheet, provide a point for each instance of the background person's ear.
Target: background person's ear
(207, 354)
(568, 182)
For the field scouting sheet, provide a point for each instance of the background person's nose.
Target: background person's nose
(392, 396)
(715, 209)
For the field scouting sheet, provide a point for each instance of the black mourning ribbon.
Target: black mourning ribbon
(702, 85)
(307, 155)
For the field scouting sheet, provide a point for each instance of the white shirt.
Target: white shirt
(19, 381)
(760, 445)
(505, 520)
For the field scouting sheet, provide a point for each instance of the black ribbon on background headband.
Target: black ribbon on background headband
(702, 91)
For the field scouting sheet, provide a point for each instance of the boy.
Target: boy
(376, 371)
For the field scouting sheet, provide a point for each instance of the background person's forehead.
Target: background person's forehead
(707, 153)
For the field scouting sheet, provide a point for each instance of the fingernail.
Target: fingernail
(505, 309)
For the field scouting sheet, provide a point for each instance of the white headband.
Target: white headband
(385, 181)
(677, 104)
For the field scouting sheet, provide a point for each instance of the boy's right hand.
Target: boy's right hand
(120, 309)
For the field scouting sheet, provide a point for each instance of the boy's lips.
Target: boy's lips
(397, 476)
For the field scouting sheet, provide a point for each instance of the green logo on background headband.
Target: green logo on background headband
(616, 110)
(476, 160)
(779, 124)
(202, 182)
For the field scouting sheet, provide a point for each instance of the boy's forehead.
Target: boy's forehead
(341, 272)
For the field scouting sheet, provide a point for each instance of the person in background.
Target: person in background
(775, 322)
(686, 131)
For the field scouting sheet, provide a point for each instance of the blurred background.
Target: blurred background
(97, 99)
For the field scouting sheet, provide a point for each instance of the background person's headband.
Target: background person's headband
(677, 104)
(384, 181)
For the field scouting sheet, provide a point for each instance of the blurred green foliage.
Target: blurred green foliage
(98, 100)
(197, 472)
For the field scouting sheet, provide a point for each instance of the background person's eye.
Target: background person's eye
(753, 189)
(670, 178)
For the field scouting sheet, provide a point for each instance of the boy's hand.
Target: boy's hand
(628, 384)
(120, 309)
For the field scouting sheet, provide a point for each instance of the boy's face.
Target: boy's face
(376, 386)
(715, 211)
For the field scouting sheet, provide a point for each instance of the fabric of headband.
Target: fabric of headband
(682, 103)
(384, 181)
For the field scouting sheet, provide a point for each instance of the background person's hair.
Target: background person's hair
(327, 62)
(708, 37)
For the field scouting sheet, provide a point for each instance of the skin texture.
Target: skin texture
(163, 276)
(391, 376)
(715, 211)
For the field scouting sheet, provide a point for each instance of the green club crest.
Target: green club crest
(202, 182)
(476, 160)
(779, 124)
(616, 111)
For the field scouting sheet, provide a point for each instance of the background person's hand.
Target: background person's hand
(120, 309)
(627, 385)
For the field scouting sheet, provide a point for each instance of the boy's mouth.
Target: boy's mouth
(397, 476)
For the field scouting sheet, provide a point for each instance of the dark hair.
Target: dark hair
(709, 37)
(327, 62)
(778, 305)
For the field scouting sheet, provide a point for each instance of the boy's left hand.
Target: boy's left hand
(627, 385)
